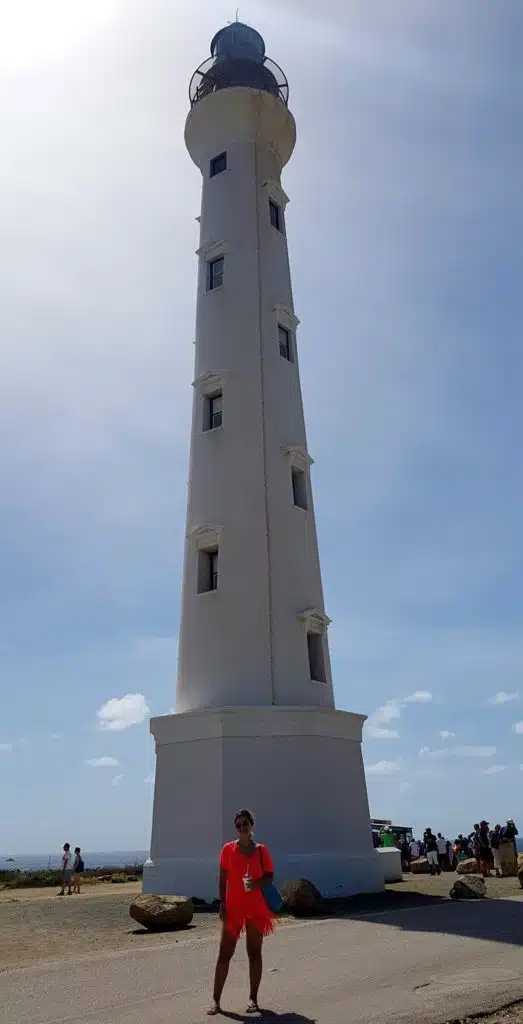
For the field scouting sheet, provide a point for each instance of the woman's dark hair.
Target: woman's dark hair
(244, 813)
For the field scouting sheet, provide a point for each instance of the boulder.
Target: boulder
(520, 876)
(301, 897)
(520, 860)
(467, 867)
(508, 859)
(162, 912)
(420, 866)
(470, 887)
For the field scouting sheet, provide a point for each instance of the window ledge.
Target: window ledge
(315, 621)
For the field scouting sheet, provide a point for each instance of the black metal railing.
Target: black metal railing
(222, 72)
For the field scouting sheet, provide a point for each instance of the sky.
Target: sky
(404, 228)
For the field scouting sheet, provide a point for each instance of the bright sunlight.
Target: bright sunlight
(33, 32)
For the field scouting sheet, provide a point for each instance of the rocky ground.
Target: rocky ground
(37, 925)
(510, 1015)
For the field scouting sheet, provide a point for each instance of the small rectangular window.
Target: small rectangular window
(207, 571)
(218, 164)
(316, 659)
(275, 215)
(213, 411)
(284, 337)
(299, 487)
(215, 273)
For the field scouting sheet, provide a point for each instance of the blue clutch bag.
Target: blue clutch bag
(272, 895)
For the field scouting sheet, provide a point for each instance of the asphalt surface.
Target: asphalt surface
(422, 965)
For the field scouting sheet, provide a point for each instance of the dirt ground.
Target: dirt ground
(510, 1015)
(35, 924)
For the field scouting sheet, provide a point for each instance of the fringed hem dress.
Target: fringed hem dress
(241, 906)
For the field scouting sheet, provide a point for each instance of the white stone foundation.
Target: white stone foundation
(299, 770)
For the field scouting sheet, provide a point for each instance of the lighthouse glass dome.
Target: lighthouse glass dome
(238, 59)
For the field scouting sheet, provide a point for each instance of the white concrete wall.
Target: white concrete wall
(244, 643)
(298, 769)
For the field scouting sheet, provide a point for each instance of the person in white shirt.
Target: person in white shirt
(67, 870)
(442, 851)
(414, 849)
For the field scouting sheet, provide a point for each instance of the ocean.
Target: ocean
(112, 859)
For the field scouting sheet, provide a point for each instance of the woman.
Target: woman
(484, 852)
(245, 866)
(78, 869)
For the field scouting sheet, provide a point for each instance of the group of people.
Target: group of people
(486, 845)
(72, 870)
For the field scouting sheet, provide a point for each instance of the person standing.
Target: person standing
(67, 870)
(414, 849)
(495, 840)
(78, 869)
(245, 867)
(431, 848)
(508, 849)
(442, 850)
(484, 853)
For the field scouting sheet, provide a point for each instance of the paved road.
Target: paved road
(414, 966)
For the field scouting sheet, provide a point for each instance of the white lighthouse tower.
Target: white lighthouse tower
(255, 721)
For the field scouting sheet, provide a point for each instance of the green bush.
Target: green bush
(53, 876)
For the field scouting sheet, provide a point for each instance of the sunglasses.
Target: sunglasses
(242, 824)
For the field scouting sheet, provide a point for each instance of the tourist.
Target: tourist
(450, 855)
(78, 869)
(414, 849)
(67, 870)
(405, 854)
(495, 840)
(509, 834)
(245, 866)
(442, 850)
(473, 843)
(431, 847)
(387, 837)
(484, 852)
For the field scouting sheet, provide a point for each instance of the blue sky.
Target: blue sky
(405, 229)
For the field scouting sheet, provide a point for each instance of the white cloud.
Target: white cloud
(122, 712)
(102, 762)
(149, 779)
(465, 751)
(116, 780)
(424, 750)
(56, 736)
(384, 768)
(419, 697)
(405, 786)
(376, 726)
(447, 735)
(518, 727)
(502, 697)
(494, 769)
(6, 748)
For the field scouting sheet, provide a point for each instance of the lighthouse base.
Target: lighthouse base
(298, 769)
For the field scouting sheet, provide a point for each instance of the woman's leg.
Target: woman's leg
(225, 955)
(254, 952)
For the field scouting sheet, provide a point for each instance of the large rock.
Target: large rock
(301, 897)
(520, 860)
(508, 859)
(162, 912)
(467, 867)
(520, 876)
(420, 866)
(470, 887)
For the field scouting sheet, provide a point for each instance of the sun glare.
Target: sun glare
(33, 32)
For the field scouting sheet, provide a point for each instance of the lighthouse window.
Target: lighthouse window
(316, 659)
(299, 487)
(284, 336)
(276, 215)
(218, 164)
(207, 571)
(215, 273)
(213, 411)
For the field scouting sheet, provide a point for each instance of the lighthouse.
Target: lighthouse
(255, 723)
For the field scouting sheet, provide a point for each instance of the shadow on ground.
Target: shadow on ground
(495, 920)
(291, 1018)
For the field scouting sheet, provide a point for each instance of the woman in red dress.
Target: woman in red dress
(245, 866)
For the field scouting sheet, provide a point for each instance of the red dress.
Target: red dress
(242, 906)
